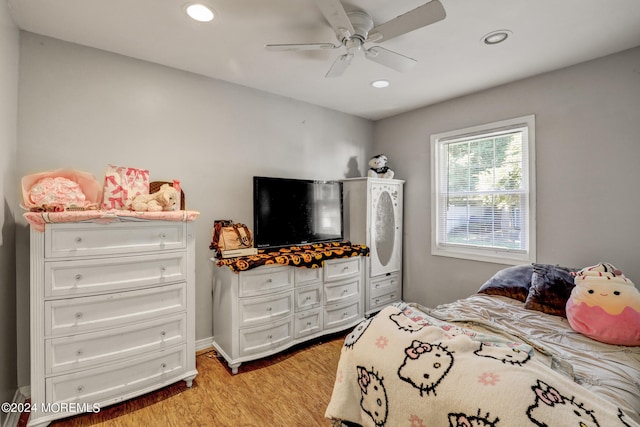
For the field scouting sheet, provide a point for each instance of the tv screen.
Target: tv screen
(288, 212)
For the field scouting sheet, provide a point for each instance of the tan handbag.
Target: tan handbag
(228, 236)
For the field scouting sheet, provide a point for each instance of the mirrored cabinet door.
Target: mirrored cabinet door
(386, 228)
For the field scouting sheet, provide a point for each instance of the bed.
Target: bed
(504, 357)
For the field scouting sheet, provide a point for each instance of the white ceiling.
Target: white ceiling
(452, 60)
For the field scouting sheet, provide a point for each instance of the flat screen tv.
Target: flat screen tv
(289, 212)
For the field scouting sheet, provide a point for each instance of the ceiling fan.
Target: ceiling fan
(355, 28)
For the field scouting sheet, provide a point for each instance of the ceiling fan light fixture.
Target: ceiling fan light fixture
(199, 12)
(496, 37)
(379, 84)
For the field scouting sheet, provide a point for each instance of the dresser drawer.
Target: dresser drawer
(85, 314)
(88, 239)
(307, 276)
(308, 297)
(115, 380)
(342, 315)
(87, 350)
(385, 284)
(384, 299)
(266, 338)
(266, 279)
(308, 322)
(78, 277)
(258, 310)
(341, 268)
(342, 290)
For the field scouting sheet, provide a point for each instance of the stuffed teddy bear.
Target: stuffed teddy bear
(165, 199)
(378, 167)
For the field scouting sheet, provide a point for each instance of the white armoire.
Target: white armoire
(373, 216)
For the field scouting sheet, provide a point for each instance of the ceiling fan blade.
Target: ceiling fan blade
(301, 46)
(419, 17)
(335, 14)
(340, 65)
(390, 59)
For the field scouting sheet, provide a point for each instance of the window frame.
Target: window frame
(485, 254)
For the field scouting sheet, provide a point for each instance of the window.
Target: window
(483, 195)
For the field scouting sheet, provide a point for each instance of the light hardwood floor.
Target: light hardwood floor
(291, 389)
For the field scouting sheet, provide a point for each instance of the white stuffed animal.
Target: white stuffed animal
(165, 199)
(378, 167)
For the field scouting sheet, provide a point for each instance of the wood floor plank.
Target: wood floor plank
(291, 389)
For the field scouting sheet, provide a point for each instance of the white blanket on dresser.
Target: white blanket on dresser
(394, 371)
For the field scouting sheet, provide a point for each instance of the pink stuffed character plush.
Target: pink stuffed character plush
(605, 305)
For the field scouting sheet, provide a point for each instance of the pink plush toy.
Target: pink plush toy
(605, 305)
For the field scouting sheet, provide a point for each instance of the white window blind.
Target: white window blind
(483, 198)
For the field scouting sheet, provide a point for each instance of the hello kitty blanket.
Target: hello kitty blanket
(396, 369)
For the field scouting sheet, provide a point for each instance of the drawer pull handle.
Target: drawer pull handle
(79, 352)
(78, 276)
(345, 268)
(308, 323)
(163, 334)
(78, 315)
(345, 314)
(80, 388)
(78, 239)
(269, 280)
(269, 308)
(346, 291)
(269, 336)
(163, 236)
(163, 365)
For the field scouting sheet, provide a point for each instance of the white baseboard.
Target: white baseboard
(204, 344)
(19, 398)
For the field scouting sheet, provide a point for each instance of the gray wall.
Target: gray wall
(8, 202)
(587, 173)
(84, 108)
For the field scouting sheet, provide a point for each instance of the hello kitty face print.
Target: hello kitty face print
(357, 332)
(512, 355)
(425, 365)
(464, 420)
(550, 405)
(404, 323)
(373, 400)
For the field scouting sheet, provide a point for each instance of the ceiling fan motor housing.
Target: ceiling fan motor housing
(362, 24)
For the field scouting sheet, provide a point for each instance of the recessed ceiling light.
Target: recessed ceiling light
(199, 12)
(496, 37)
(380, 83)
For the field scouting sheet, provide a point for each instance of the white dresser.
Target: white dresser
(262, 311)
(112, 312)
